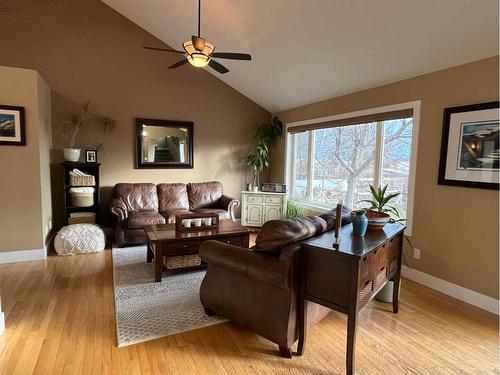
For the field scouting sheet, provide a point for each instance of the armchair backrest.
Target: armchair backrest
(204, 194)
(137, 197)
(172, 197)
(277, 234)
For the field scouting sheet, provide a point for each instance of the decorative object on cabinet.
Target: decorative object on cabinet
(266, 136)
(470, 151)
(12, 126)
(273, 188)
(360, 223)
(196, 222)
(75, 123)
(81, 176)
(164, 144)
(379, 210)
(259, 207)
(90, 156)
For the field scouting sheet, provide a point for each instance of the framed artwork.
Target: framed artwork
(90, 156)
(12, 127)
(470, 152)
(164, 144)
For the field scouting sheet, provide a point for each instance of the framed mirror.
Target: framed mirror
(164, 144)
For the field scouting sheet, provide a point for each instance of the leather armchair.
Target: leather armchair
(257, 288)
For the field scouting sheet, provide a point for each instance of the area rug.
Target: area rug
(147, 310)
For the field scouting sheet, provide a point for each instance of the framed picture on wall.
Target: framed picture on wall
(12, 128)
(470, 152)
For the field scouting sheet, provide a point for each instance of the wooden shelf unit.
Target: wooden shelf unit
(89, 168)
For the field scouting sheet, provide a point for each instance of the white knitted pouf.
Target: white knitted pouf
(79, 239)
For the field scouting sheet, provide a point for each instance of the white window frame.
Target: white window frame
(290, 146)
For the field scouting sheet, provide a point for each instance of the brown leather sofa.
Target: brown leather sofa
(257, 288)
(137, 205)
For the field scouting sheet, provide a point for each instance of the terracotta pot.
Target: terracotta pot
(377, 220)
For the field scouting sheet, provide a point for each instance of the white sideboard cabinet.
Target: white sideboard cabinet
(259, 207)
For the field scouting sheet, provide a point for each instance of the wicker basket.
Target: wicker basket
(82, 218)
(182, 261)
(82, 180)
(82, 199)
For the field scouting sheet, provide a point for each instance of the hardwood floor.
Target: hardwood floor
(60, 320)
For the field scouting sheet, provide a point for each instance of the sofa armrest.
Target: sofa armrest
(266, 269)
(229, 204)
(118, 208)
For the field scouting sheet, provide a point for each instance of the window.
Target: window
(338, 159)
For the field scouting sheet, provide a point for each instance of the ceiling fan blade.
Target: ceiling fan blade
(177, 64)
(232, 56)
(218, 67)
(164, 49)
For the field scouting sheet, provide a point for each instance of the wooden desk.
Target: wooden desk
(347, 279)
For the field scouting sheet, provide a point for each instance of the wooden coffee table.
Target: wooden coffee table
(165, 241)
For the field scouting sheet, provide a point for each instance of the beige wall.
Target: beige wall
(24, 169)
(456, 228)
(87, 51)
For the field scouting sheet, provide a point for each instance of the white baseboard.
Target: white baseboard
(23, 255)
(2, 322)
(456, 291)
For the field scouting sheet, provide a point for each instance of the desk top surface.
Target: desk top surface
(351, 245)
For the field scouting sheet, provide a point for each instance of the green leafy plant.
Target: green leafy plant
(294, 209)
(379, 201)
(266, 136)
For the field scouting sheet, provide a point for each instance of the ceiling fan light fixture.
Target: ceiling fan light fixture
(198, 60)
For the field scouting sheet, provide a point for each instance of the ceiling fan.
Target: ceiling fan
(200, 53)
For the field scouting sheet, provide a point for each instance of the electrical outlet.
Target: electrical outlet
(416, 253)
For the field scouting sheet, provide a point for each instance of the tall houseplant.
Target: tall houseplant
(76, 122)
(266, 136)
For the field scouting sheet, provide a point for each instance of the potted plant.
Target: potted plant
(294, 209)
(266, 136)
(378, 213)
(74, 125)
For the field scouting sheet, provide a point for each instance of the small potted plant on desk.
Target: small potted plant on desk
(379, 214)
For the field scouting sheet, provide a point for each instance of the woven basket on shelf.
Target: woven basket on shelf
(82, 199)
(182, 261)
(82, 180)
(90, 219)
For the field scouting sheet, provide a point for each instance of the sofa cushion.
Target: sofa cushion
(204, 194)
(137, 197)
(137, 220)
(276, 234)
(172, 197)
(330, 216)
(223, 214)
(170, 214)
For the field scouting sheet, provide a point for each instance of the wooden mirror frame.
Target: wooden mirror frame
(168, 124)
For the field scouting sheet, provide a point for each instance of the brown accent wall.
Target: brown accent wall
(24, 176)
(456, 228)
(87, 51)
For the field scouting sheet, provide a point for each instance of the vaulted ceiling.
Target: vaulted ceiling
(309, 50)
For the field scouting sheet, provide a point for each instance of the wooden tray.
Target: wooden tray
(180, 228)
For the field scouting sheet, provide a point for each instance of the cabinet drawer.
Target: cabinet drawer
(235, 241)
(393, 266)
(393, 246)
(364, 270)
(273, 199)
(183, 247)
(255, 199)
(377, 258)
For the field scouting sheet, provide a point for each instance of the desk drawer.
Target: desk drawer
(255, 199)
(364, 269)
(273, 199)
(377, 258)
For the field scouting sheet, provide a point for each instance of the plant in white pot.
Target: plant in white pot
(75, 123)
